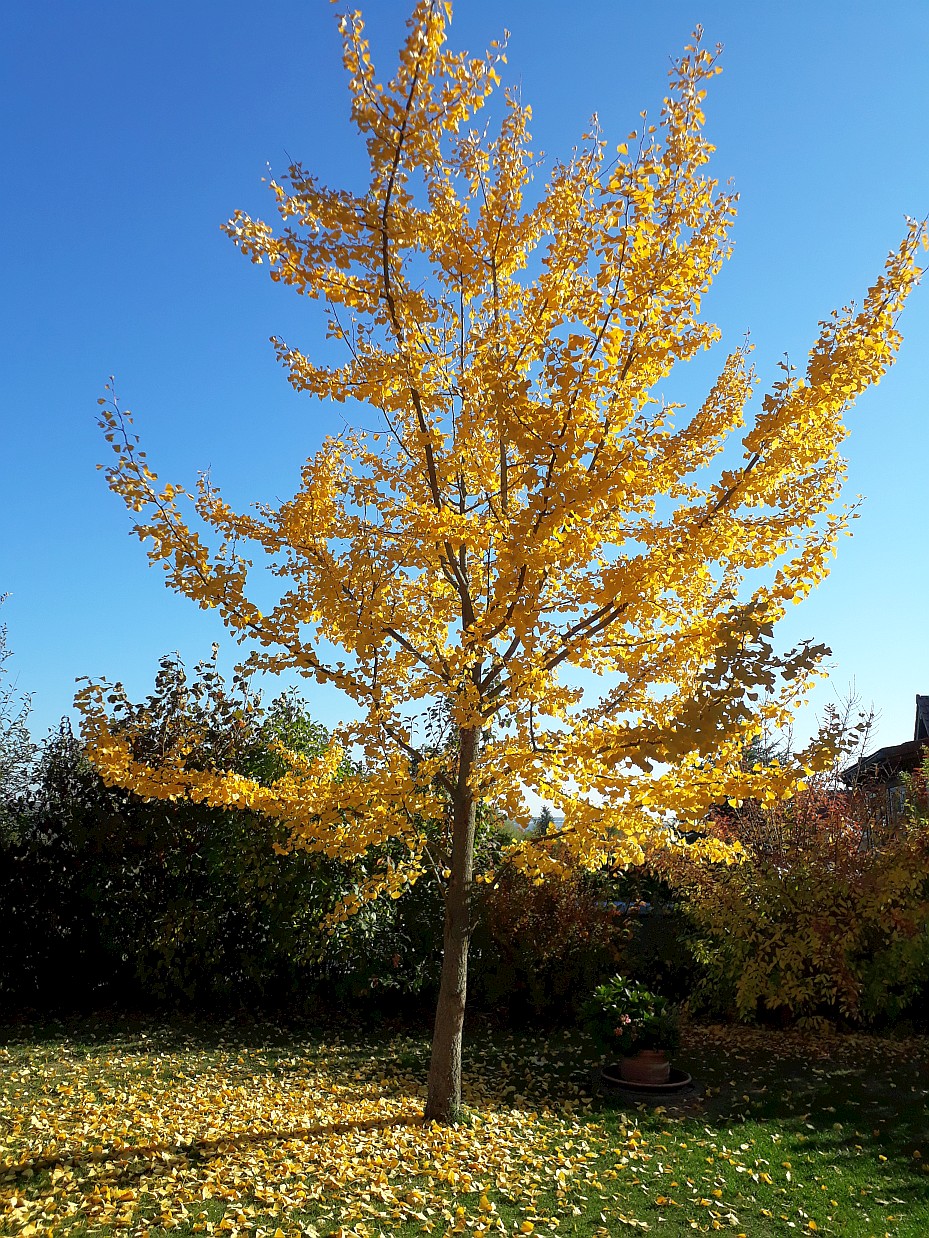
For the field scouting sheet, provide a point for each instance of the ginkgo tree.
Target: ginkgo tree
(529, 519)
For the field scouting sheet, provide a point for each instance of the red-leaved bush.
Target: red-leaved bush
(826, 917)
(541, 948)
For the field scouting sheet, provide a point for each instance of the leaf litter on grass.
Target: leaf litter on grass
(139, 1139)
(148, 1135)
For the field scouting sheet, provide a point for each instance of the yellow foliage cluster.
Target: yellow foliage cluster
(528, 509)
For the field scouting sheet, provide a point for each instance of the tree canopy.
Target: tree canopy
(527, 507)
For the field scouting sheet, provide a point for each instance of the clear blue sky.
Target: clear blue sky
(131, 131)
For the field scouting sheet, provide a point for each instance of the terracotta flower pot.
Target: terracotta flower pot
(646, 1066)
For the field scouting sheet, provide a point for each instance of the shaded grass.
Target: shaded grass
(133, 1127)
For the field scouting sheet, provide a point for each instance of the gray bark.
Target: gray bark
(443, 1101)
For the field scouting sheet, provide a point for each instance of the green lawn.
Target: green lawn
(144, 1129)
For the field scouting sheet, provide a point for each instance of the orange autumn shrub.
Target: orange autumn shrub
(823, 920)
(542, 947)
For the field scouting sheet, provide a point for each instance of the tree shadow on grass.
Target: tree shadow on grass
(202, 1149)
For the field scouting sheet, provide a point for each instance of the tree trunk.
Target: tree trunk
(444, 1095)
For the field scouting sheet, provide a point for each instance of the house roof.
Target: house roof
(881, 765)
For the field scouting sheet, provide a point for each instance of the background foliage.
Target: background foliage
(108, 899)
(824, 920)
(16, 748)
(112, 899)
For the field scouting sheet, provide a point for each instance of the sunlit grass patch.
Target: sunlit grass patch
(150, 1134)
(266, 1133)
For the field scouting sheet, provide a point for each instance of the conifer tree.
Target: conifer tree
(543, 820)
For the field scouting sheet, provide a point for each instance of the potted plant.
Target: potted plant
(629, 1022)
